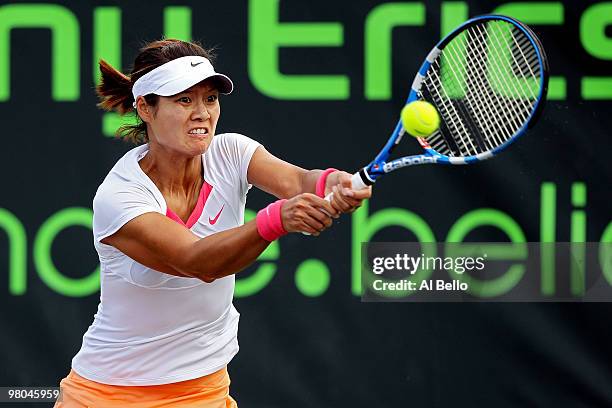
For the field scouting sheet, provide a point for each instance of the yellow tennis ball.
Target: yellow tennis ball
(420, 119)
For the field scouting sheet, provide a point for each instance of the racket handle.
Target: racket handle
(357, 182)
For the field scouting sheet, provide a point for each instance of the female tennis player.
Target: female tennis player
(169, 232)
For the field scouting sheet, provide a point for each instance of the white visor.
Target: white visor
(177, 75)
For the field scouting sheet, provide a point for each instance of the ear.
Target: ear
(144, 111)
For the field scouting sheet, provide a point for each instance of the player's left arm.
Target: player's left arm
(286, 180)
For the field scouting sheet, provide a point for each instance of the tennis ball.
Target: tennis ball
(420, 118)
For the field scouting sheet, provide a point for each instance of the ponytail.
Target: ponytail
(115, 94)
(114, 90)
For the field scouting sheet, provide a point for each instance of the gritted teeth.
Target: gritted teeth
(198, 131)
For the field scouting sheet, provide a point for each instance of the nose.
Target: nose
(200, 112)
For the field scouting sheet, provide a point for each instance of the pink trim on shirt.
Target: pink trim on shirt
(197, 211)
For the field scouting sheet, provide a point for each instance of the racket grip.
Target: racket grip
(357, 182)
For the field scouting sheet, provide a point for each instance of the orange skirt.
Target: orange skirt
(210, 391)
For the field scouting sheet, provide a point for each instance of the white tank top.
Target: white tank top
(153, 328)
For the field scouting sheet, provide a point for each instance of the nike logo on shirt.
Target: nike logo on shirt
(213, 221)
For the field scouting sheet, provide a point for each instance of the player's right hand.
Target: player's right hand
(307, 213)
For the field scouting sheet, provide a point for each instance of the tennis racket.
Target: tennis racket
(488, 80)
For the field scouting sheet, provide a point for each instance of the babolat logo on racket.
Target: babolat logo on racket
(408, 161)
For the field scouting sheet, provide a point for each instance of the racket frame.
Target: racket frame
(380, 166)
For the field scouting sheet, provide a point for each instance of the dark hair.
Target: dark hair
(115, 88)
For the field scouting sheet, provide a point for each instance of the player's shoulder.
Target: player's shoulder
(230, 146)
(224, 139)
(126, 176)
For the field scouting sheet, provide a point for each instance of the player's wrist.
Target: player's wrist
(269, 221)
(322, 182)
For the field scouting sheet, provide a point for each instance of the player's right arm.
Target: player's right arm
(166, 246)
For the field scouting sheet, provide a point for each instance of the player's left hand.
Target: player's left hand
(344, 198)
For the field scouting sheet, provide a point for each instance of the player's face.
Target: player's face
(186, 122)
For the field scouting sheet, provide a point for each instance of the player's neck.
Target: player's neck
(171, 172)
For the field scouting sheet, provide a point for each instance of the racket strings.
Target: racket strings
(452, 118)
(491, 98)
(451, 114)
(482, 114)
(442, 139)
(496, 52)
(504, 107)
(485, 85)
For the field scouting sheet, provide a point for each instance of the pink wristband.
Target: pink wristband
(269, 221)
(320, 188)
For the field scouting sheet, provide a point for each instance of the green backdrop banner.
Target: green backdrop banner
(320, 84)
